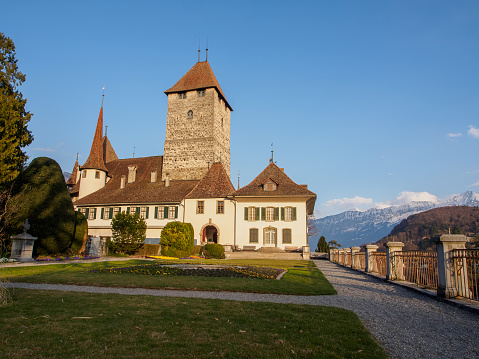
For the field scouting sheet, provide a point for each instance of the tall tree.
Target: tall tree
(14, 134)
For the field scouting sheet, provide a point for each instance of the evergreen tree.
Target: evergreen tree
(323, 246)
(13, 116)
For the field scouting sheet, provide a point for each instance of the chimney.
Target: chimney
(131, 174)
(153, 176)
(123, 182)
(167, 180)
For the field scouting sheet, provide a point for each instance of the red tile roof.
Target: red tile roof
(200, 76)
(214, 184)
(73, 177)
(108, 151)
(285, 185)
(95, 159)
(142, 190)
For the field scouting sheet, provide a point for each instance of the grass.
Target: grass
(41, 324)
(302, 278)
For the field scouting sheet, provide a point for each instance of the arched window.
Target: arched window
(190, 114)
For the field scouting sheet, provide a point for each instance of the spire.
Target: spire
(199, 45)
(73, 177)
(95, 159)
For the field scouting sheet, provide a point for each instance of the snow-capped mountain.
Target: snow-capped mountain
(353, 228)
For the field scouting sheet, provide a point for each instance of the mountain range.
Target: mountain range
(354, 227)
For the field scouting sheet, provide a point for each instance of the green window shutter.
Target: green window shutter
(282, 213)
(137, 210)
(257, 209)
(276, 213)
(176, 212)
(147, 212)
(102, 212)
(110, 215)
(165, 216)
(127, 210)
(156, 212)
(87, 212)
(294, 213)
(263, 213)
(246, 213)
(94, 213)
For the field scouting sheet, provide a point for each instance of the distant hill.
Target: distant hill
(353, 228)
(417, 230)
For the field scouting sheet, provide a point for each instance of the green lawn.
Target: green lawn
(43, 324)
(302, 278)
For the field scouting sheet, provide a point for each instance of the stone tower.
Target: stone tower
(197, 125)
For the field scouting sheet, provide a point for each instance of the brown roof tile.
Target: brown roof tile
(285, 185)
(108, 151)
(140, 191)
(95, 159)
(200, 76)
(214, 184)
(73, 177)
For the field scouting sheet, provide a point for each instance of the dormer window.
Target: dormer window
(201, 93)
(181, 95)
(270, 186)
(189, 115)
(97, 174)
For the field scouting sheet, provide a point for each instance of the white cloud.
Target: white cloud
(348, 202)
(40, 149)
(406, 197)
(474, 184)
(473, 132)
(454, 135)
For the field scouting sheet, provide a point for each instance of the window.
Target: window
(251, 213)
(288, 214)
(83, 174)
(106, 212)
(253, 235)
(92, 213)
(173, 213)
(182, 95)
(220, 207)
(97, 174)
(144, 212)
(189, 115)
(270, 235)
(160, 212)
(201, 93)
(269, 214)
(287, 236)
(83, 210)
(221, 122)
(116, 210)
(200, 207)
(269, 186)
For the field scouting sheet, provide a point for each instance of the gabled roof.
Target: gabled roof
(214, 184)
(285, 185)
(200, 76)
(140, 191)
(95, 159)
(73, 177)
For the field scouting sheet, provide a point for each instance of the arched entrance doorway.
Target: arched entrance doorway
(209, 234)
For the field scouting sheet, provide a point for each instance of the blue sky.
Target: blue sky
(368, 102)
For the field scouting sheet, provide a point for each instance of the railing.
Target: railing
(419, 267)
(361, 260)
(348, 259)
(466, 266)
(380, 264)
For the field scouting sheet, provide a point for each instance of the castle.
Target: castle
(191, 181)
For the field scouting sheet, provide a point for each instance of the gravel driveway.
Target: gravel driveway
(405, 323)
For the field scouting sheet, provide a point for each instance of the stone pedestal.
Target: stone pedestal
(445, 245)
(354, 257)
(392, 247)
(22, 245)
(306, 253)
(370, 249)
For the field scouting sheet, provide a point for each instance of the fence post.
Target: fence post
(392, 247)
(354, 257)
(333, 255)
(445, 245)
(370, 248)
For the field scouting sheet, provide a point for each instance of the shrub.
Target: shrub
(149, 250)
(177, 239)
(128, 232)
(41, 196)
(81, 233)
(214, 250)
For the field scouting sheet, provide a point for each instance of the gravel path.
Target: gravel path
(405, 323)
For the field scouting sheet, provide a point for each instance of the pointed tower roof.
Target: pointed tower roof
(73, 177)
(95, 159)
(200, 76)
(109, 153)
(214, 184)
(285, 185)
